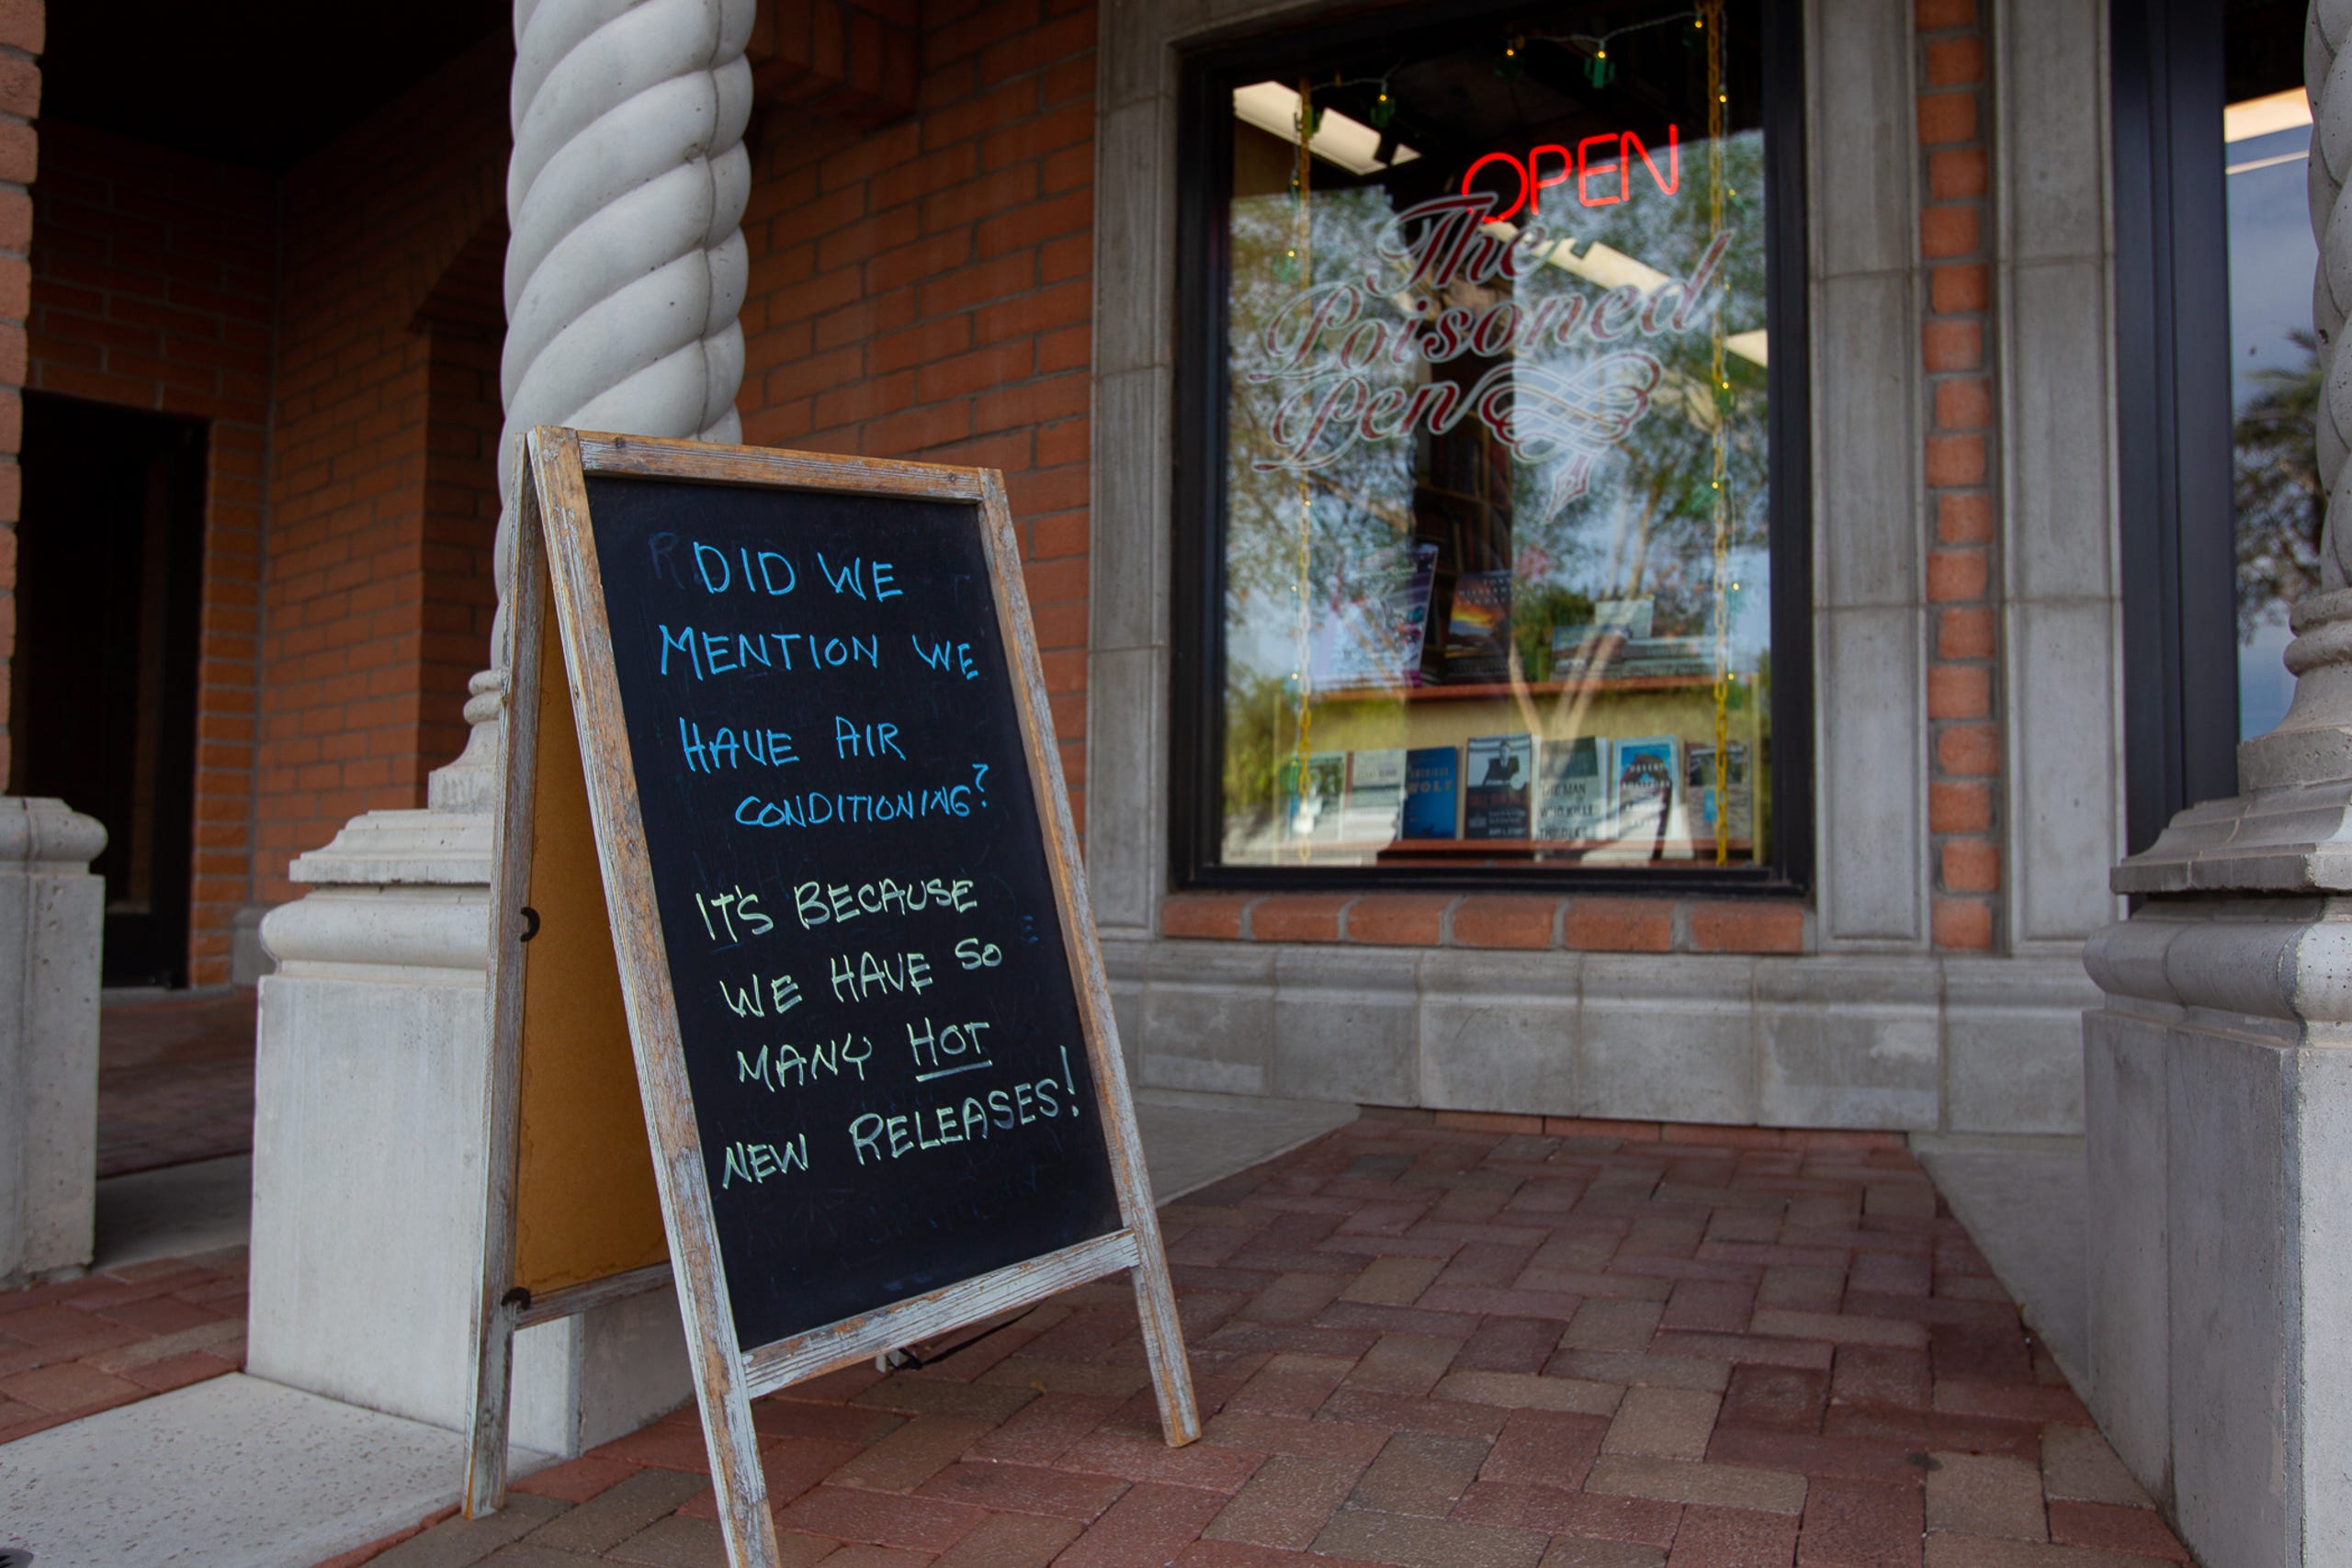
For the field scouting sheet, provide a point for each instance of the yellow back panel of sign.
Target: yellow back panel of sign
(585, 1205)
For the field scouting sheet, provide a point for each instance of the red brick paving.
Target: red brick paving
(87, 1345)
(175, 1080)
(1440, 1346)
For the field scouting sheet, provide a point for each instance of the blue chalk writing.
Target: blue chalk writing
(866, 579)
(818, 807)
(947, 657)
(709, 654)
(731, 748)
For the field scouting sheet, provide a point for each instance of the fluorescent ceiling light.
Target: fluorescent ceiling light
(1350, 143)
(1610, 268)
(2271, 162)
(2260, 117)
(1615, 269)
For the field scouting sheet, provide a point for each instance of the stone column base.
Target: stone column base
(51, 920)
(368, 1156)
(2218, 1103)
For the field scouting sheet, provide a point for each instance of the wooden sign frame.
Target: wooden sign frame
(555, 543)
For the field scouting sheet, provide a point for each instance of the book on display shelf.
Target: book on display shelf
(1432, 792)
(1572, 788)
(1477, 629)
(1495, 786)
(1375, 801)
(1375, 621)
(1737, 795)
(1315, 795)
(1646, 771)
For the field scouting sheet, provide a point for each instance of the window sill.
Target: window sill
(1525, 922)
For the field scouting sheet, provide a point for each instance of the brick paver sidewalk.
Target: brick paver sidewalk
(87, 1345)
(175, 1080)
(1437, 1347)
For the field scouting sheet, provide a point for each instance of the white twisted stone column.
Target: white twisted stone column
(2314, 743)
(626, 262)
(625, 270)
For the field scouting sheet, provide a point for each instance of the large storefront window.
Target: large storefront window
(1489, 446)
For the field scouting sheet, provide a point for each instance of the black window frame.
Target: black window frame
(2176, 506)
(1197, 583)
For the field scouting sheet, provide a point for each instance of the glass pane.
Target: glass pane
(1496, 578)
(2274, 371)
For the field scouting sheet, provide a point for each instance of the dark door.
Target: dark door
(102, 698)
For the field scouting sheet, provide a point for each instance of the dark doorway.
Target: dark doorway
(102, 702)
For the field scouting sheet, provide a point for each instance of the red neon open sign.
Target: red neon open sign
(1600, 181)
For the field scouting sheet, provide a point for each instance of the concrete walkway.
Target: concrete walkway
(2025, 1202)
(1191, 1139)
(235, 1472)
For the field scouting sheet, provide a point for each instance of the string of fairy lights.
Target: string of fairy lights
(1302, 261)
(1718, 101)
(1297, 267)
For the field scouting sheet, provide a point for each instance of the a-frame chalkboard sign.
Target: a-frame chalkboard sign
(788, 713)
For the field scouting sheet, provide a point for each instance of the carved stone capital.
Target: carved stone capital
(40, 833)
(2288, 959)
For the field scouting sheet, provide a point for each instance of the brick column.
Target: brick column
(20, 37)
(1955, 249)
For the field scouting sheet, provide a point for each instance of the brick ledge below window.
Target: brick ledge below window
(1508, 921)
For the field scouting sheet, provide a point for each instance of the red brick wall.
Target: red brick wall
(1955, 240)
(20, 39)
(378, 588)
(151, 281)
(924, 290)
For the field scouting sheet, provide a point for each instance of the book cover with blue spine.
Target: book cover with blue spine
(1432, 792)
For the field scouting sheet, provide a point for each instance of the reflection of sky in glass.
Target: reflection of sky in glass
(2272, 258)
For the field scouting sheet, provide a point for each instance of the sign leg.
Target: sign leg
(486, 1442)
(1163, 1343)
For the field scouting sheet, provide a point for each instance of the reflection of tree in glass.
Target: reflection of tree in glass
(1260, 741)
(1646, 526)
(1363, 500)
(2281, 503)
(1642, 526)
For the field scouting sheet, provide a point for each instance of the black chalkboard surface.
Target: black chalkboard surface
(889, 1072)
(865, 1007)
